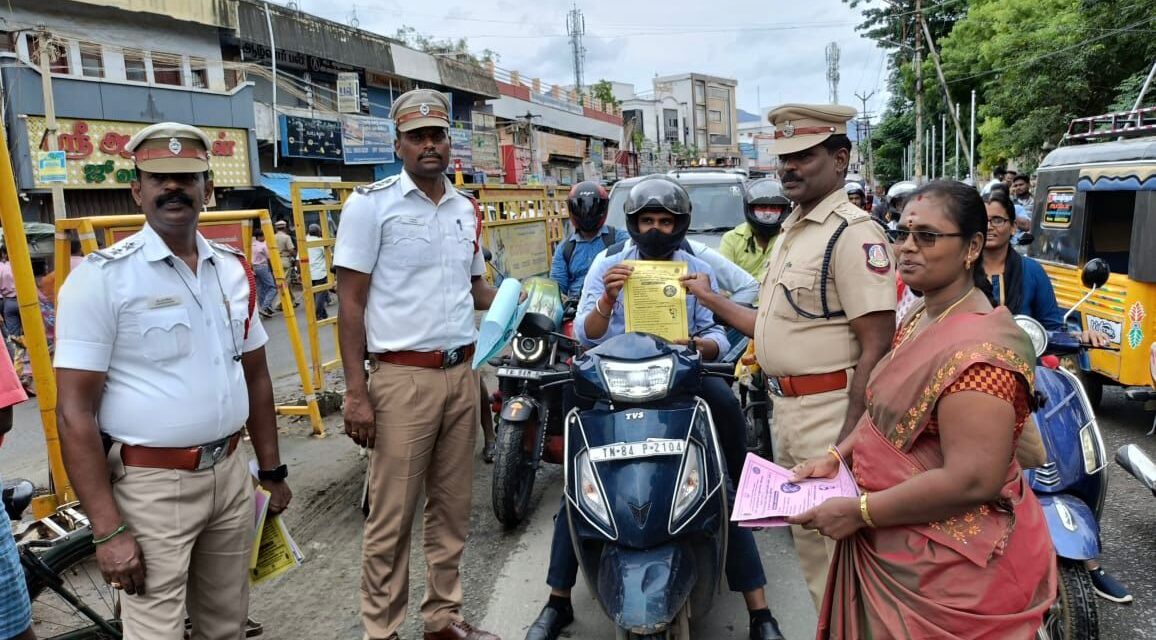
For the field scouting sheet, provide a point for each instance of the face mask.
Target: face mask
(656, 245)
(767, 215)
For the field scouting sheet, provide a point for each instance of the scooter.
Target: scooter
(645, 483)
(529, 427)
(1073, 484)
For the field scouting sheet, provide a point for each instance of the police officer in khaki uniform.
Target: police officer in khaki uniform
(160, 362)
(826, 307)
(409, 275)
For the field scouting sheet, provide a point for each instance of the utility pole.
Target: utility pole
(50, 127)
(576, 28)
(931, 156)
(971, 169)
(867, 125)
(918, 92)
(529, 118)
(955, 169)
(943, 144)
(939, 72)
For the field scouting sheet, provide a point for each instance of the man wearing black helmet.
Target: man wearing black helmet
(749, 244)
(587, 204)
(657, 218)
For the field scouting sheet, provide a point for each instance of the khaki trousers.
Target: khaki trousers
(426, 423)
(804, 427)
(195, 529)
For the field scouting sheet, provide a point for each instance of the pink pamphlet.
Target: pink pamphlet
(766, 497)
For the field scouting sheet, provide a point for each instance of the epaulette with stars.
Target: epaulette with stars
(124, 248)
(379, 185)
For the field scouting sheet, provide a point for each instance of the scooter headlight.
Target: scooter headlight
(528, 350)
(1035, 331)
(589, 492)
(690, 483)
(638, 381)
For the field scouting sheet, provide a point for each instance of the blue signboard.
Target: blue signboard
(366, 140)
(310, 138)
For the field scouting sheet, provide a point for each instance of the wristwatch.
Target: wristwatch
(273, 475)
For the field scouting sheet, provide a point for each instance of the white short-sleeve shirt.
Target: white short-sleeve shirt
(169, 340)
(421, 256)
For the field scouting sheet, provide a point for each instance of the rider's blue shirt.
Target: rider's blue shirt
(1039, 298)
(570, 276)
(697, 315)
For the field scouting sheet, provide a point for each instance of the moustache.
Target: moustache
(791, 177)
(178, 197)
(432, 154)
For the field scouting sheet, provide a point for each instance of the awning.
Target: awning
(279, 183)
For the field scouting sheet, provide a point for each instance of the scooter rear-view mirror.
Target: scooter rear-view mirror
(1095, 274)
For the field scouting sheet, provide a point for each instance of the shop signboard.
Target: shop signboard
(310, 138)
(95, 158)
(366, 140)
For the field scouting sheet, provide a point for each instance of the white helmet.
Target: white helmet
(852, 187)
(898, 192)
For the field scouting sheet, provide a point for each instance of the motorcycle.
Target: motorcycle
(645, 488)
(529, 424)
(1073, 483)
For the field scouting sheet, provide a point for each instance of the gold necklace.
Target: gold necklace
(919, 316)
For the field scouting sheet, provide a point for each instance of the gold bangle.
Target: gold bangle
(864, 512)
(833, 450)
(598, 309)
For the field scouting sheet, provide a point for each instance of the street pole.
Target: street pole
(943, 144)
(931, 156)
(971, 164)
(955, 169)
(870, 173)
(942, 81)
(273, 109)
(50, 127)
(918, 92)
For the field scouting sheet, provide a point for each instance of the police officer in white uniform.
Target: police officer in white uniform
(409, 275)
(160, 363)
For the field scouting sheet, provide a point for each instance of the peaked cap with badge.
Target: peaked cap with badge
(170, 147)
(802, 126)
(419, 108)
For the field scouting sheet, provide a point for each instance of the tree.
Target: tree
(603, 91)
(460, 48)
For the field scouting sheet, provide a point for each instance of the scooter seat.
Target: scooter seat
(17, 498)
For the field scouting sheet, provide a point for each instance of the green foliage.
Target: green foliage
(603, 91)
(1034, 64)
(459, 48)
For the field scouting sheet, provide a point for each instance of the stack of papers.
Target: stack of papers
(274, 551)
(766, 497)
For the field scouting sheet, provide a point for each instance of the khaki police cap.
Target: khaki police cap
(802, 126)
(420, 108)
(170, 147)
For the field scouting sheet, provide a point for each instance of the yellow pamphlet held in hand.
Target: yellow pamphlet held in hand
(655, 300)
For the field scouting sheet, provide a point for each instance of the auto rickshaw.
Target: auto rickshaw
(1096, 198)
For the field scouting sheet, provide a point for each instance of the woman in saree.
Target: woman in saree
(946, 539)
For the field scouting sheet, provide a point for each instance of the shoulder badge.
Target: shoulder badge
(851, 213)
(125, 247)
(379, 185)
(227, 248)
(878, 259)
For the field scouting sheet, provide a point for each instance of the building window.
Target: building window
(198, 73)
(134, 66)
(58, 54)
(700, 117)
(166, 69)
(699, 92)
(7, 41)
(719, 139)
(700, 140)
(715, 116)
(670, 128)
(719, 93)
(91, 60)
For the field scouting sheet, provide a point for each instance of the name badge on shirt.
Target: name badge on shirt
(165, 302)
(411, 221)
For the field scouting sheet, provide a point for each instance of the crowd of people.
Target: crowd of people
(846, 308)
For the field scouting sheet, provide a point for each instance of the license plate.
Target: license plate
(645, 449)
(523, 374)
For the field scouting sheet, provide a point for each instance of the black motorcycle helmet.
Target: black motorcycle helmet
(587, 203)
(767, 207)
(658, 193)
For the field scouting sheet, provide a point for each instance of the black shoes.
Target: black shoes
(766, 630)
(551, 622)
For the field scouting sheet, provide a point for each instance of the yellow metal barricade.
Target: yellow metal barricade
(328, 224)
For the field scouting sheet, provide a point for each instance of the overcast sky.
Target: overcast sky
(774, 48)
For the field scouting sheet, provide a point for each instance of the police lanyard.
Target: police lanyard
(224, 300)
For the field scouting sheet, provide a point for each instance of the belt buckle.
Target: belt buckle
(453, 357)
(212, 453)
(774, 387)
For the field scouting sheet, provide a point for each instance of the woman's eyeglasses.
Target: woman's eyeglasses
(922, 238)
(997, 221)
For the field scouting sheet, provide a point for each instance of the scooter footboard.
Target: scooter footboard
(643, 589)
(1072, 525)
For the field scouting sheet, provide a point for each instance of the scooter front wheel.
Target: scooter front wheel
(1073, 616)
(513, 476)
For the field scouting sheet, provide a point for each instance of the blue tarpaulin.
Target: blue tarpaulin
(279, 183)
